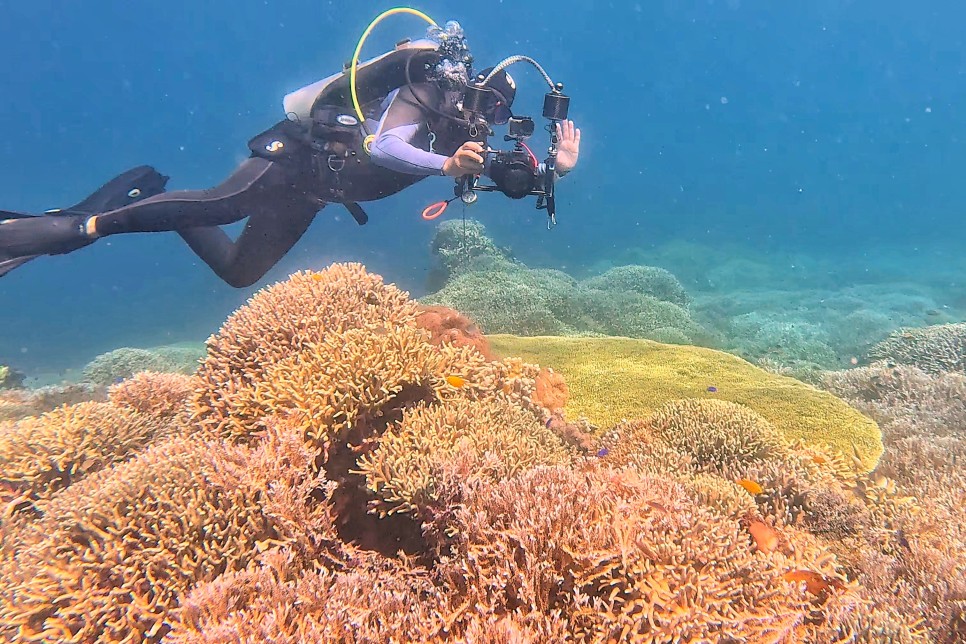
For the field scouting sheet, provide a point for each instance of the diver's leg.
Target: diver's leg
(259, 187)
(268, 235)
(27, 235)
(256, 181)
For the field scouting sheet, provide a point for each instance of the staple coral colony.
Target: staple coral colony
(347, 465)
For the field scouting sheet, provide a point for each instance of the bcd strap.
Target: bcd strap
(357, 213)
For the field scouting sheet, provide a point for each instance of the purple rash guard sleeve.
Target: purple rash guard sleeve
(394, 149)
(402, 139)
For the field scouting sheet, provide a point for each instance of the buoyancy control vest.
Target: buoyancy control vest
(322, 130)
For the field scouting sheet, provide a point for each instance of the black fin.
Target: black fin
(10, 214)
(126, 188)
(8, 265)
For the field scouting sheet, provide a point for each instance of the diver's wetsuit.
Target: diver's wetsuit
(279, 196)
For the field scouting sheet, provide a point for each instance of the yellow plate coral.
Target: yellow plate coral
(611, 379)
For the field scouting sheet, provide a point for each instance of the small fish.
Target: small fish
(602, 452)
(712, 389)
(118, 380)
(317, 277)
(815, 583)
(818, 458)
(549, 422)
(766, 537)
(751, 486)
(456, 381)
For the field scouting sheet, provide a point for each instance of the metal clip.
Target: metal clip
(336, 163)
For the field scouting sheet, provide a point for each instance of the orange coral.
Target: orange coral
(113, 552)
(277, 324)
(552, 391)
(39, 455)
(450, 326)
(155, 394)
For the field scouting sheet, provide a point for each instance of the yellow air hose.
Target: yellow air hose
(355, 59)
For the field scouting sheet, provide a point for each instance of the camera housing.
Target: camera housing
(520, 127)
(514, 172)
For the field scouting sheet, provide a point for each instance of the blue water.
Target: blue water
(828, 129)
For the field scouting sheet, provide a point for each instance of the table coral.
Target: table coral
(934, 349)
(611, 379)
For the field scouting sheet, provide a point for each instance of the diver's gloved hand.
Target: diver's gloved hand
(467, 160)
(568, 146)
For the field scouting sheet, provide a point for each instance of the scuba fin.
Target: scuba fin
(124, 189)
(7, 265)
(25, 236)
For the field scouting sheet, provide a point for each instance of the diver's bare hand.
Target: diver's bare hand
(467, 160)
(568, 146)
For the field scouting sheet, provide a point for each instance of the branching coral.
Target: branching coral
(113, 552)
(39, 455)
(934, 349)
(493, 439)
(156, 394)
(646, 280)
(110, 367)
(716, 432)
(277, 323)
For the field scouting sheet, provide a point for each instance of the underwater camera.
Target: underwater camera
(515, 172)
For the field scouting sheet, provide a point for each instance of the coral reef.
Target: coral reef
(611, 379)
(156, 394)
(934, 349)
(919, 567)
(39, 455)
(116, 365)
(346, 469)
(457, 243)
(504, 296)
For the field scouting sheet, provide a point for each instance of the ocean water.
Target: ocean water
(797, 167)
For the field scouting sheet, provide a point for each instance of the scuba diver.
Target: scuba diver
(418, 112)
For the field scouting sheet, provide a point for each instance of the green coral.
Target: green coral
(646, 280)
(611, 379)
(458, 242)
(504, 300)
(627, 314)
(108, 368)
(505, 297)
